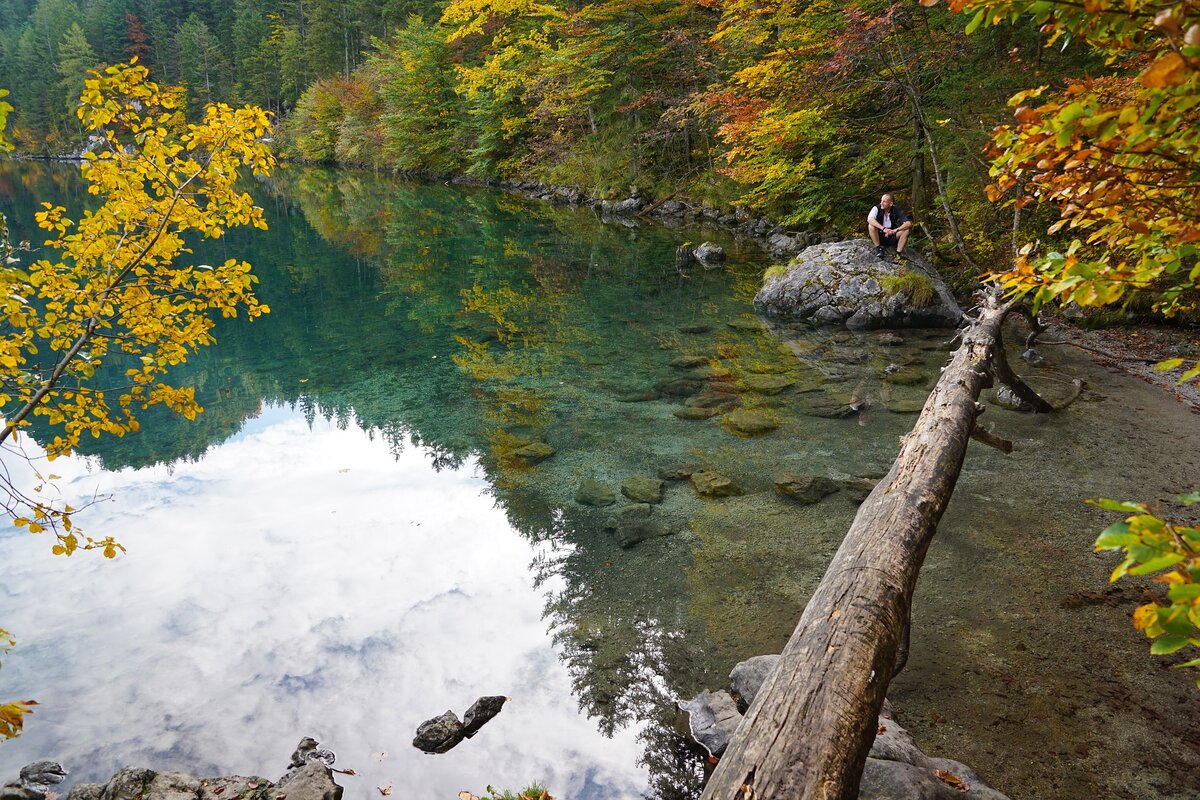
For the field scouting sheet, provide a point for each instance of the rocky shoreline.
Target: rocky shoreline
(309, 776)
(896, 768)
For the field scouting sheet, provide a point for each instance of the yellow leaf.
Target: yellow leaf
(1169, 69)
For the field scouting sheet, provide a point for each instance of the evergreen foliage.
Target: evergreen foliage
(803, 110)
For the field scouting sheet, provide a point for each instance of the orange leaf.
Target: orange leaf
(1169, 70)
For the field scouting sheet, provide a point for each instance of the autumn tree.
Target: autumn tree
(120, 296)
(1116, 159)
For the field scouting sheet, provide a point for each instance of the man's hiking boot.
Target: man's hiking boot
(879, 252)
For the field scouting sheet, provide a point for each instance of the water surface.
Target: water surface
(347, 541)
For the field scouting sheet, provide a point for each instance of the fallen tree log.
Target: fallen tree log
(810, 728)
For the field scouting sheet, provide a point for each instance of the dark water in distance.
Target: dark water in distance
(346, 542)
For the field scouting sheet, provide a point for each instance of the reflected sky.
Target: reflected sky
(297, 581)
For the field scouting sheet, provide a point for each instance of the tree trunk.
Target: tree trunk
(917, 190)
(811, 726)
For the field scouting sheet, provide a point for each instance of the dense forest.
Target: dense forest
(801, 111)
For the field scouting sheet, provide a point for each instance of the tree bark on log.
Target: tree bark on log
(810, 728)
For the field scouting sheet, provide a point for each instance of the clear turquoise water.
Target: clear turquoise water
(344, 544)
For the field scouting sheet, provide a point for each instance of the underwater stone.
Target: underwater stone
(826, 407)
(637, 396)
(805, 489)
(641, 489)
(681, 387)
(904, 376)
(633, 531)
(689, 362)
(633, 512)
(857, 489)
(713, 484)
(750, 422)
(706, 372)
(533, 453)
(767, 384)
(745, 324)
(679, 472)
(594, 493)
(696, 412)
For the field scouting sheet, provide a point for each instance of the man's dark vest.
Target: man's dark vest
(898, 216)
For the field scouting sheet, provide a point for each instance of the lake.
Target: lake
(355, 535)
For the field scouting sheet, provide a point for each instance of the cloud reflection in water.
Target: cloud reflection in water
(296, 581)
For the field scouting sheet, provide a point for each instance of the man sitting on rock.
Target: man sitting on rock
(888, 226)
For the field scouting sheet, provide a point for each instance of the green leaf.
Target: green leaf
(1121, 569)
(1184, 592)
(1116, 505)
(1167, 644)
(1156, 564)
(1169, 364)
(975, 22)
(1116, 536)
(1195, 662)
(1189, 498)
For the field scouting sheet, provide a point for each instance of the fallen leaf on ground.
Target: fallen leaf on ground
(386, 790)
(953, 781)
(465, 795)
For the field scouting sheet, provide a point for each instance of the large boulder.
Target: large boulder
(846, 283)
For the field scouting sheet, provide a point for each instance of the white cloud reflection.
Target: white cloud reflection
(268, 594)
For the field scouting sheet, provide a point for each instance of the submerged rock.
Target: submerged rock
(696, 412)
(533, 453)
(676, 472)
(750, 422)
(904, 376)
(689, 362)
(827, 407)
(806, 489)
(681, 387)
(713, 484)
(439, 734)
(844, 282)
(634, 524)
(696, 327)
(857, 489)
(745, 324)
(641, 489)
(767, 384)
(594, 493)
(637, 396)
